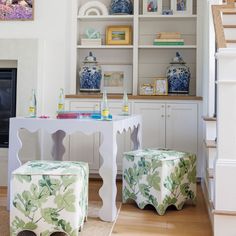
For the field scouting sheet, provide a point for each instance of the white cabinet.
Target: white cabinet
(153, 120)
(182, 127)
(169, 125)
(84, 147)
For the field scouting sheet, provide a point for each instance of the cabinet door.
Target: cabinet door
(123, 140)
(181, 127)
(153, 120)
(85, 147)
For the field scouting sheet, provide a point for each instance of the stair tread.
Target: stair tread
(231, 41)
(209, 118)
(210, 143)
(231, 11)
(229, 26)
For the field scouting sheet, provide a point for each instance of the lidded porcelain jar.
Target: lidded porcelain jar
(178, 76)
(90, 75)
(121, 7)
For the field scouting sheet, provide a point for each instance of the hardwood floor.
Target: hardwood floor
(191, 221)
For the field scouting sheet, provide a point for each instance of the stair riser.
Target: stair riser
(210, 130)
(209, 187)
(211, 157)
(230, 34)
(229, 19)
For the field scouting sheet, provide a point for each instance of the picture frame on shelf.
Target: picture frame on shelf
(119, 35)
(117, 78)
(184, 7)
(152, 7)
(161, 86)
(17, 11)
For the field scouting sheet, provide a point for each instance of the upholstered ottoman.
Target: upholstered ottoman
(159, 177)
(48, 197)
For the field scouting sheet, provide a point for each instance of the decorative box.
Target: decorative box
(91, 42)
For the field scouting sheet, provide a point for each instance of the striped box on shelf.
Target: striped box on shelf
(91, 42)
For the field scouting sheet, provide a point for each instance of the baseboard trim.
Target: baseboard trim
(225, 213)
(208, 203)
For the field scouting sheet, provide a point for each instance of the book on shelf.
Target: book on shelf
(169, 35)
(168, 43)
(168, 40)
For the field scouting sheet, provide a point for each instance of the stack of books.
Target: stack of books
(168, 39)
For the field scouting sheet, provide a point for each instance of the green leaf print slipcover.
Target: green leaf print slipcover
(48, 197)
(159, 177)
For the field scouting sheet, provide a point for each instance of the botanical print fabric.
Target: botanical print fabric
(159, 177)
(49, 197)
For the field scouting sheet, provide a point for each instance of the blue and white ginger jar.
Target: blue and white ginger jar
(90, 75)
(178, 76)
(121, 7)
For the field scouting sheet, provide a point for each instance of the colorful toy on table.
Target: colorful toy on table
(81, 115)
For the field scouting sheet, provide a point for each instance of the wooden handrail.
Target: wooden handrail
(217, 11)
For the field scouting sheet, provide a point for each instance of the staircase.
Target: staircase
(210, 157)
(220, 134)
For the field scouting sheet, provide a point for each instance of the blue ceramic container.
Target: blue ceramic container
(178, 75)
(121, 7)
(90, 75)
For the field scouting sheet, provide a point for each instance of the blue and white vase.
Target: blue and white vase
(121, 7)
(178, 76)
(90, 75)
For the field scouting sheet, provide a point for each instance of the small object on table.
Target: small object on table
(104, 107)
(33, 105)
(44, 117)
(125, 107)
(81, 115)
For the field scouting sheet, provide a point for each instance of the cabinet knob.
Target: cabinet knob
(162, 115)
(163, 106)
(168, 116)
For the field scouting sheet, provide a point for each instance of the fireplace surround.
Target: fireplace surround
(7, 102)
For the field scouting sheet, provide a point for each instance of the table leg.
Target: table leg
(136, 137)
(58, 148)
(14, 162)
(108, 172)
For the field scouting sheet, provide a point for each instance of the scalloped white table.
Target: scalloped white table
(58, 128)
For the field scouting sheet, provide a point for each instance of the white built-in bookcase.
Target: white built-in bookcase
(148, 61)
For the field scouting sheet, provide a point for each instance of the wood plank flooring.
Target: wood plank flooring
(191, 221)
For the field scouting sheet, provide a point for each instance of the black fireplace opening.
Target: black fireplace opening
(7, 102)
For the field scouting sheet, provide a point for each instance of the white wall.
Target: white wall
(51, 27)
(50, 69)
